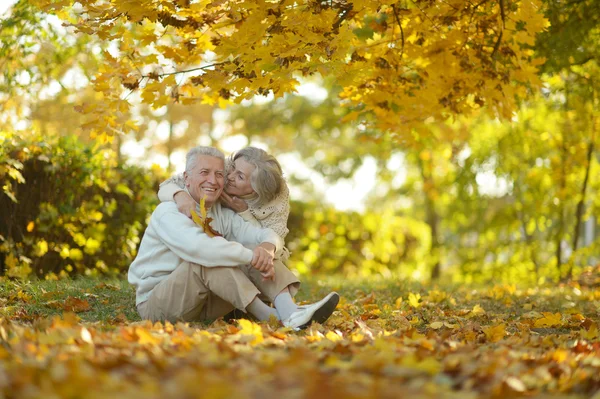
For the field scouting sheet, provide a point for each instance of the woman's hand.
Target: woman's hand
(235, 203)
(262, 260)
(185, 203)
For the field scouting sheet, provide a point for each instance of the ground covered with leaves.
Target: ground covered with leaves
(387, 338)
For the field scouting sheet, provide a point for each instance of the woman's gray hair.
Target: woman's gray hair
(267, 177)
(191, 159)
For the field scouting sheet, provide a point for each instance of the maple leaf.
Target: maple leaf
(251, 330)
(591, 333)
(549, 320)
(413, 299)
(145, 337)
(203, 221)
(495, 333)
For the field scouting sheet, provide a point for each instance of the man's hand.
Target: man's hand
(235, 203)
(185, 203)
(262, 260)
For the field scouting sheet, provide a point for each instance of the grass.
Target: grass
(113, 300)
(108, 299)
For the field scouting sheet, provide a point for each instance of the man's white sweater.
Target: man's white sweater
(171, 238)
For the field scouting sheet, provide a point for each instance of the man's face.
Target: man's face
(206, 179)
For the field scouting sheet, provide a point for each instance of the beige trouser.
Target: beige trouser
(270, 289)
(196, 293)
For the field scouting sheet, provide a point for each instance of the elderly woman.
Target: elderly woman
(257, 191)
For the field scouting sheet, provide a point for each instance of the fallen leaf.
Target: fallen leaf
(495, 333)
(549, 320)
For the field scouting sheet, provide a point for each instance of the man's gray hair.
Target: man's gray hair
(267, 177)
(191, 159)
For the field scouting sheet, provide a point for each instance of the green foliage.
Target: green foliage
(572, 37)
(68, 208)
(326, 240)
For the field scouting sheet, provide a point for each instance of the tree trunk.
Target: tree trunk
(562, 186)
(117, 149)
(432, 216)
(581, 203)
(529, 238)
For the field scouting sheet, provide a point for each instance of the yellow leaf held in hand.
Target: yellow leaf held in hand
(197, 219)
(203, 221)
(203, 208)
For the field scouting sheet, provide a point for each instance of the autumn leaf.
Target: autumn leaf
(495, 333)
(413, 299)
(251, 331)
(437, 325)
(203, 221)
(515, 384)
(591, 333)
(476, 311)
(146, 337)
(71, 304)
(549, 320)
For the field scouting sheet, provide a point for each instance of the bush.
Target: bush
(326, 240)
(68, 208)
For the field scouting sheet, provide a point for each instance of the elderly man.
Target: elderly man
(182, 273)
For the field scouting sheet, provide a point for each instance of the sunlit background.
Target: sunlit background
(477, 198)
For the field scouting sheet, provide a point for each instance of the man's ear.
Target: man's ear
(185, 179)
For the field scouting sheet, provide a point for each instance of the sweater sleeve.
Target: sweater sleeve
(249, 217)
(170, 187)
(191, 244)
(248, 234)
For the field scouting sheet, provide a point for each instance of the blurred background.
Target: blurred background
(479, 199)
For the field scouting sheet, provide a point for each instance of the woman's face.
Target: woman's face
(238, 179)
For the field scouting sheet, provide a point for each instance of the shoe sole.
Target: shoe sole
(323, 313)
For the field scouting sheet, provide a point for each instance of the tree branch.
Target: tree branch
(497, 44)
(401, 29)
(160, 75)
(433, 24)
(345, 13)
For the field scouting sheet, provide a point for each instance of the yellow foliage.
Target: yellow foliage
(437, 65)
